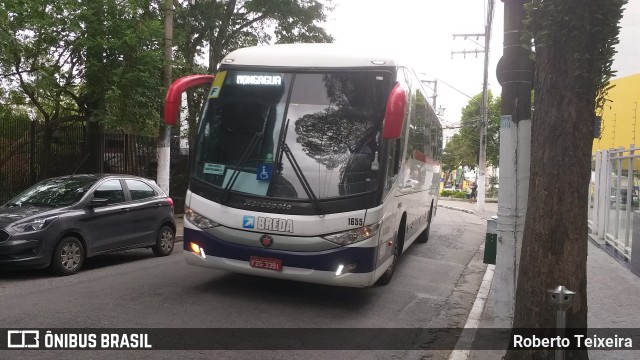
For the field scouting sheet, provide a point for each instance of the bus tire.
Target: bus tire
(424, 236)
(397, 249)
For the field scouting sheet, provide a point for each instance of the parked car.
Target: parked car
(59, 222)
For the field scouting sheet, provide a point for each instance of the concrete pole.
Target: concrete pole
(603, 193)
(482, 158)
(164, 136)
(515, 74)
(435, 94)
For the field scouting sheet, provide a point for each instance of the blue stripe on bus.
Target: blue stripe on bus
(327, 260)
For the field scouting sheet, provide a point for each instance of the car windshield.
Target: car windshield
(330, 122)
(55, 192)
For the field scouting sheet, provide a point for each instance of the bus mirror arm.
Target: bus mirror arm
(173, 99)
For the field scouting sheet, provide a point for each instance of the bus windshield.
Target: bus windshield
(330, 122)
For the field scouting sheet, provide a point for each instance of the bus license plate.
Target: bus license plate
(265, 263)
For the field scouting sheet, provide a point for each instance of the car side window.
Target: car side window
(139, 190)
(110, 190)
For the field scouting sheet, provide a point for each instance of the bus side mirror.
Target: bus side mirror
(173, 100)
(394, 115)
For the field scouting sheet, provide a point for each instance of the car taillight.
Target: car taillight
(170, 200)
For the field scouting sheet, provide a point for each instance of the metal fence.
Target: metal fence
(614, 196)
(31, 152)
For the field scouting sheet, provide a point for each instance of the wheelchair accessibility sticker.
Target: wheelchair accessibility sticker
(264, 171)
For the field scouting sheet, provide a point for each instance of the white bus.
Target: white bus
(313, 163)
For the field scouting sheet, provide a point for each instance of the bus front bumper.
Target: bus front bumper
(287, 273)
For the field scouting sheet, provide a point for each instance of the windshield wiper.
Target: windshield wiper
(243, 158)
(40, 204)
(284, 148)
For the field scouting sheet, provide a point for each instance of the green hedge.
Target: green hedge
(454, 193)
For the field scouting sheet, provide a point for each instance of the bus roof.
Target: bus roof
(307, 55)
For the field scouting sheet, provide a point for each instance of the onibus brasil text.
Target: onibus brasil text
(52, 340)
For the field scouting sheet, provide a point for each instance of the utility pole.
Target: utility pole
(435, 91)
(484, 122)
(635, 119)
(615, 119)
(482, 161)
(164, 135)
(515, 74)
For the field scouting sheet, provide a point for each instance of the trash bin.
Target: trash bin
(491, 241)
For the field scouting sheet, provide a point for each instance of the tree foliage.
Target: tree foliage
(101, 60)
(213, 28)
(47, 59)
(463, 148)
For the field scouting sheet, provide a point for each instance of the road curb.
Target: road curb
(457, 209)
(476, 313)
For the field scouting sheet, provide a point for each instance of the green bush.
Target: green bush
(458, 194)
(446, 193)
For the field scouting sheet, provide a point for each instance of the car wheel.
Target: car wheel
(164, 241)
(68, 256)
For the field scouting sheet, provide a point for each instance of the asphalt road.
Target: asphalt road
(434, 286)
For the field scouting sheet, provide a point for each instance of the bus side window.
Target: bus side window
(393, 163)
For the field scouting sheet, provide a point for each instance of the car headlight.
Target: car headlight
(355, 235)
(35, 225)
(199, 220)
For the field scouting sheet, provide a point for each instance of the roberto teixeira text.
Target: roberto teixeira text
(593, 341)
(34, 339)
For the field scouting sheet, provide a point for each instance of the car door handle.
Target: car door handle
(124, 210)
(158, 205)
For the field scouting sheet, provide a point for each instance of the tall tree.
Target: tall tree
(39, 62)
(76, 61)
(574, 46)
(217, 27)
(463, 148)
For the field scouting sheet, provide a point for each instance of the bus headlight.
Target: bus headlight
(355, 235)
(199, 220)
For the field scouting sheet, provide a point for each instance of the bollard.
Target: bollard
(561, 300)
(491, 241)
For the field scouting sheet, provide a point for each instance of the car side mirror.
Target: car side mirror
(98, 202)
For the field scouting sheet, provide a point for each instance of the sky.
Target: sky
(420, 34)
(626, 61)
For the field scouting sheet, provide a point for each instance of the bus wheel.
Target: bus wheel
(424, 236)
(397, 248)
(386, 277)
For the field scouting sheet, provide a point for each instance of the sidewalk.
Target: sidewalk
(490, 209)
(613, 294)
(179, 228)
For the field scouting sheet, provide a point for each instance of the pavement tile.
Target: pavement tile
(613, 293)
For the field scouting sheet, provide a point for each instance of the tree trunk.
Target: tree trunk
(215, 43)
(554, 245)
(95, 87)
